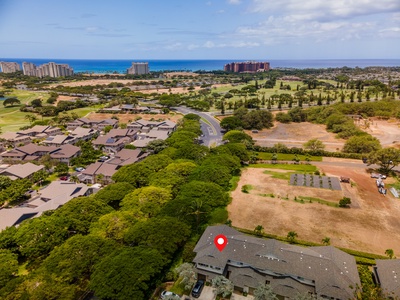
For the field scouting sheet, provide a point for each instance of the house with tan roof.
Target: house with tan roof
(14, 139)
(31, 152)
(290, 270)
(21, 171)
(108, 168)
(50, 197)
(95, 124)
(115, 140)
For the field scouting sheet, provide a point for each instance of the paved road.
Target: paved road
(209, 126)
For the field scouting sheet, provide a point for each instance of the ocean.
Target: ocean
(120, 66)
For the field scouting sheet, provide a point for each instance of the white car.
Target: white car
(164, 294)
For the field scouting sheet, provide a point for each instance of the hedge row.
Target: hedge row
(301, 151)
(362, 258)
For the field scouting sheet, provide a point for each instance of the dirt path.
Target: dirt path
(372, 224)
(387, 132)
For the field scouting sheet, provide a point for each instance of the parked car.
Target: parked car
(198, 287)
(64, 178)
(79, 169)
(168, 293)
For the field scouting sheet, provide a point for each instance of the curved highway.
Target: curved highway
(212, 135)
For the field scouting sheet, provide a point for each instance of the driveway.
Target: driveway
(206, 294)
(241, 297)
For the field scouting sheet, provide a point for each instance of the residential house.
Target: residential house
(78, 134)
(144, 138)
(30, 152)
(145, 125)
(65, 153)
(14, 139)
(127, 157)
(39, 131)
(59, 140)
(108, 168)
(290, 270)
(98, 172)
(21, 171)
(50, 197)
(115, 140)
(387, 275)
(95, 124)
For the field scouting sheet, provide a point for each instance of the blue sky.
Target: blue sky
(200, 29)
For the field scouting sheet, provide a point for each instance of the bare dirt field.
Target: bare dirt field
(386, 131)
(372, 224)
(296, 134)
(127, 118)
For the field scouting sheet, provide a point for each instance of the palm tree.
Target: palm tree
(326, 241)
(264, 292)
(196, 209)
(291, 236)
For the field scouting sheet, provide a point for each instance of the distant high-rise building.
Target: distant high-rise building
(9, 67)
(50, 69)
(247, 67)
(139, 68)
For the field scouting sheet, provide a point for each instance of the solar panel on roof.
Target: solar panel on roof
(110, 141)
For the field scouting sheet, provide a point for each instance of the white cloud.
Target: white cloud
(325, 9)
(235, 2)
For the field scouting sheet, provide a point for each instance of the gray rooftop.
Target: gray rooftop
(330, 270)
(388, 275)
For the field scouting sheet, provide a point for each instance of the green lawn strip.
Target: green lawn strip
(363, 258)
(287, 157)
(317, 200)
(83, 111)
(205, 121)
(233, 183)
(279, 175)
(290, 167)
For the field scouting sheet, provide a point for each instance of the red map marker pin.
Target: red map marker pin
(220, 242)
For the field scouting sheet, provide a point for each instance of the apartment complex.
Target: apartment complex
(247, 67)
(50, 69)
(323, 271)
(9, 67)
(139, 68)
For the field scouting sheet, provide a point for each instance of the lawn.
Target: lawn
(299, 168)
(286, 157)
(279, 175)
(81, 112)
(11, 118)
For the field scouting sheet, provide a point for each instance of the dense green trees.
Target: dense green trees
(361, 144)
(236, 136)
(127, 274)
(119, 242)
(231, 123)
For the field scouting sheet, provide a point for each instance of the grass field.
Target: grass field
(279, 175)
(11, 118)
(299, 168)
(286, 157)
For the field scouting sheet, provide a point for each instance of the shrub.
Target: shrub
(344, 202)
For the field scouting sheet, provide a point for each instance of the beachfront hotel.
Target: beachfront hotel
(139, 68)
(9, 67)
(247, 67)
(50, 69)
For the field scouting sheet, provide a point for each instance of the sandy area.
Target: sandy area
(372, 224)
(387, 132)
(127, 118)
(296, 134)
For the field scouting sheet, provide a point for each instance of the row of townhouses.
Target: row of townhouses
(291, 270)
